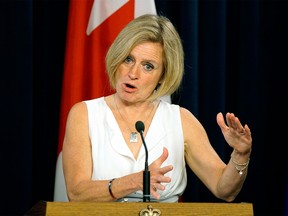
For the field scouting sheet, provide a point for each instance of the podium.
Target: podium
(44, 208)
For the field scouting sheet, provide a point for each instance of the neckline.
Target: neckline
(157, 108)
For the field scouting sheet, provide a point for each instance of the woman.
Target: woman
(103, 155)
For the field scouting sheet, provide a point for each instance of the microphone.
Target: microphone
(146, 173)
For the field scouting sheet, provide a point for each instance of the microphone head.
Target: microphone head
(140, 127)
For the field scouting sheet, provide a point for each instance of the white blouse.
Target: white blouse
(112, 158)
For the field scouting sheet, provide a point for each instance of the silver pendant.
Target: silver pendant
(133, 137)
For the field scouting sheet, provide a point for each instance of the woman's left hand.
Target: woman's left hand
(237, 136)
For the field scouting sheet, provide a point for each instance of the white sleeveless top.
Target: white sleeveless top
(112, 158)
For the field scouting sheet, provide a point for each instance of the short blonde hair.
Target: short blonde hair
(156, 29)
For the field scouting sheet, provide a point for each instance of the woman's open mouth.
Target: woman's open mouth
(129, 88)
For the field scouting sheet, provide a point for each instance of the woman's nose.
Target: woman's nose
(133, 72)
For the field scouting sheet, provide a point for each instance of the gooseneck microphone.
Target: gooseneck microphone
(140, 127)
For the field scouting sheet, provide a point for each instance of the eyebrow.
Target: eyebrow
(145, 60)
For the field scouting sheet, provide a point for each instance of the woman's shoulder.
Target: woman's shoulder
(78, 109)
(82, 106)
(187, 115)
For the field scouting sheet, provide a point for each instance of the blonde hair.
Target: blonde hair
(156, 29)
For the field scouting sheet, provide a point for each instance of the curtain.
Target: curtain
(235, 61)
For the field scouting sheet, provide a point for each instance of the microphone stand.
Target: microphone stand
(146, 174)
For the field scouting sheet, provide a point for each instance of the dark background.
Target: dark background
(236, 61)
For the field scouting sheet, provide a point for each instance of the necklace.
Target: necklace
(133, 134)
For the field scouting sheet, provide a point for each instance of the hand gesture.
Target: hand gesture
(157, 174)
(237, 136)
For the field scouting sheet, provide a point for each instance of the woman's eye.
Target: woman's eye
(128, 59)
(148, 67)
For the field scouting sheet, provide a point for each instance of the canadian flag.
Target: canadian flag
(92, 27)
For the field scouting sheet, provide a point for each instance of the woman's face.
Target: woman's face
(139, 74)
